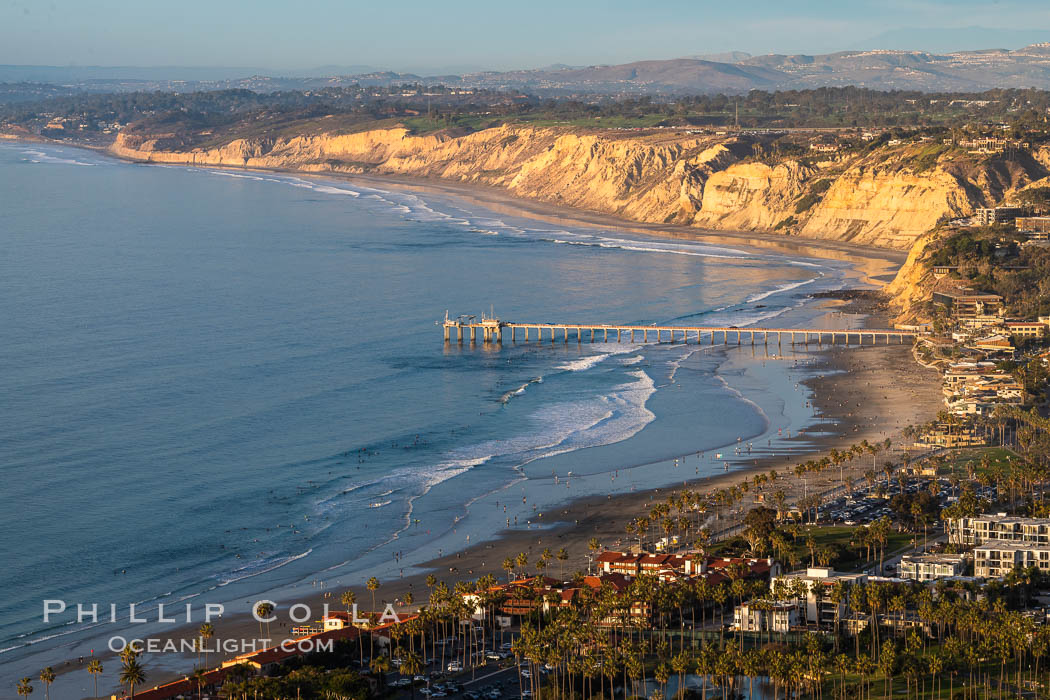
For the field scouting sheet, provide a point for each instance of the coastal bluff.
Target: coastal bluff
(884, 196)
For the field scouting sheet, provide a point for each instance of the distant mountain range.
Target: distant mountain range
(739, 72)
(733, 72)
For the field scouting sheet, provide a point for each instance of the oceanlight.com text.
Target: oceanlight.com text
(117, 644)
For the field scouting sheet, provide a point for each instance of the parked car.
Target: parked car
(454, 667)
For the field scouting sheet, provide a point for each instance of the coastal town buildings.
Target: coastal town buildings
(930, 567)
(996, 344)
(766, 616)
(997, 559)
(819, 606)
(988, 216)
(1026, 329)
(998, 528)
(1034, 227)
(964, 303)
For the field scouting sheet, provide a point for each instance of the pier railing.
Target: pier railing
(494, 331)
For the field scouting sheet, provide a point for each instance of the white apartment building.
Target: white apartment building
(996, 559)
(819, 608)
(766, 616)
(930, 567)
(998, 527)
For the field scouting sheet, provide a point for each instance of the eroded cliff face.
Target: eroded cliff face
(877, 199)
(752, 196)
(910, 289)
(875, 206)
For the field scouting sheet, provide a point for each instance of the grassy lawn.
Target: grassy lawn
(960, 462)
(899, 685)
(607, 122)
(424, 125)
(835, 538)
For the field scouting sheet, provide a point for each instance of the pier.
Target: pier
(493, 330)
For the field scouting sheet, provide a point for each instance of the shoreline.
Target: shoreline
(875, 266)
(578, 519)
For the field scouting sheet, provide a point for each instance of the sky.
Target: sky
(434, 36)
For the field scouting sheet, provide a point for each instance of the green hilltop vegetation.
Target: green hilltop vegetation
(425, 109)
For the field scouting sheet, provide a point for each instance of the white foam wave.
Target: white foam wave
(583, 363)
(260, 566)
(42, 157)
(520, 390)
(637, 248)
(782, 288)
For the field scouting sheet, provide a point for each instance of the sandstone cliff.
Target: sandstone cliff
(884, 197)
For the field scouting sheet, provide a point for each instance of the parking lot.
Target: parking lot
(494, 675)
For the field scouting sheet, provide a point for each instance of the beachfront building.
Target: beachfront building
(948, 435)
(959, 374)
(965, 303)
(516, 599)
(980, 392)
(987, 216)
(1037, 228)
(998, 527)
(643, 563)
(1026, 329)
(814, 586)
(995, 345)
(766, 616)
(673, 567)
(997, 559)
(930, 567)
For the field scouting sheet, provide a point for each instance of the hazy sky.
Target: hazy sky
(440, 34)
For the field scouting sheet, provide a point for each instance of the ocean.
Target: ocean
(220, 384)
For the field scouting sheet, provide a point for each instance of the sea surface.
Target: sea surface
(218, 384)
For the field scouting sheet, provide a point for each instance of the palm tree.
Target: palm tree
(373, 586)
(132, 674)
(207, 631)
(47, 677)
(263, 610)
(128, 653)
(380, 666)
(411, 665)
(95, 669)
(198, 678)
(349, 599)
(25, 689)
